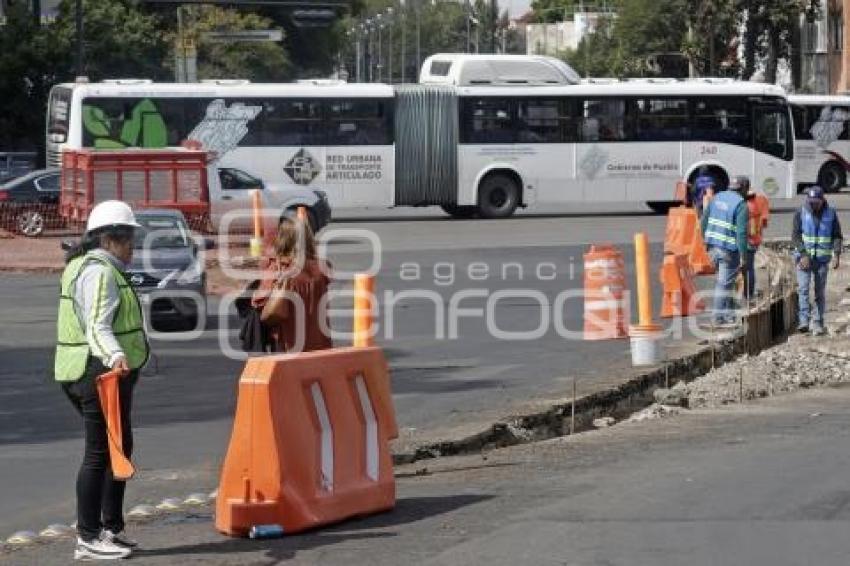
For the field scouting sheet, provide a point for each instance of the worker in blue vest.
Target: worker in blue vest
(724, 229)
(704, 188)
(817, 241)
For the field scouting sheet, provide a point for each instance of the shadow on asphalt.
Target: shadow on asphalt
(408, 510)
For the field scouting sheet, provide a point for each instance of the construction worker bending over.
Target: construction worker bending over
(724, 229)
(100, 327)
(758, 208)
(817, 240)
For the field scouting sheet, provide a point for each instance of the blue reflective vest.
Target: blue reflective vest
(721, 231)
(817, 233)
(702, 183)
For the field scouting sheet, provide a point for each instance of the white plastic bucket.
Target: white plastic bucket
(647, 347)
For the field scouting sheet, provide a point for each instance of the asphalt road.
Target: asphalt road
(765, 484)
(185, 402)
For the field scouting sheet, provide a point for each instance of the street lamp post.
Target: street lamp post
(78, 16)
(390, 44)
(379, 24)
(403, 14)
(418, 35)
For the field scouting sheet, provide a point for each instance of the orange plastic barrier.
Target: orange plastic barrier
(604, 286)
(681, 194)
(110, 403)
(679, 291)
(683, 236)
(364, 294)
(310, 441)
(302, 214)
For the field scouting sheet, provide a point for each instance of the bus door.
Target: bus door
(773, 151)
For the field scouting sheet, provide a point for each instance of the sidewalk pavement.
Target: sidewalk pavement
(758, 484)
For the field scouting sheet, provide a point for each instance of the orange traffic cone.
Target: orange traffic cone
(604, 286)
(110, 403)
(680, 295)
(683, 236)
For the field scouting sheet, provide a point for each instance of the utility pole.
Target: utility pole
(390, 43)
(403, 14)
(78, 19)
(418, 35)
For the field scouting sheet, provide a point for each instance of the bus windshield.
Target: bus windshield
(58, 113)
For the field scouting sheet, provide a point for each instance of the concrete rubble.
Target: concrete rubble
(802, 362)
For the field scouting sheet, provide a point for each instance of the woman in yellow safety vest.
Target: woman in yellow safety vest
(100, 327)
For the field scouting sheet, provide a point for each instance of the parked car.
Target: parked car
(29, 204)
(233, 192)
(15, 164)
(166, 270)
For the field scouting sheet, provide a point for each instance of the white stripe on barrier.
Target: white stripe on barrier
(602, 264)
(327, 438)
(371, 429)
(602, 305)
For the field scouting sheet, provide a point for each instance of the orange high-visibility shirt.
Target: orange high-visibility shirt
(759, 209)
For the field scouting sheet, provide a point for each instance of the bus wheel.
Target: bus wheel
(456, 211)
(832, 177)
(498, 196)
(661, 206)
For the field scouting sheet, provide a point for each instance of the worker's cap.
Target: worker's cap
(815, 193)
(704, 182)
(741, 184)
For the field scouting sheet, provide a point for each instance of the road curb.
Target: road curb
(766, 327)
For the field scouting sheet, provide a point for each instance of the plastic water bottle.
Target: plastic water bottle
(266, 531)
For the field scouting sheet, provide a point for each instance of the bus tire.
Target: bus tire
(832, 177)
(498, 196)
(459, 212)
(661, 206)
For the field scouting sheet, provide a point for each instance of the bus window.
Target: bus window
(662, 119)
(801, 123)
(358, 122)
(289, 122)
(772, 132)
(538, 121)
(604, 119)
(487, 120)
(827, 123)
(721, 119)
(57, 119)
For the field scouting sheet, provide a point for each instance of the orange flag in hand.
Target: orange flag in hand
(110, 403)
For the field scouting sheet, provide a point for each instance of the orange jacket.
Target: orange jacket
(759, 208)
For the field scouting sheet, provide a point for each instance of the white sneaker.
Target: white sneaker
(119, 538)
(100, 549)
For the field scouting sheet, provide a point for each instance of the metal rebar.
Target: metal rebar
(573, 409)
(741, 385)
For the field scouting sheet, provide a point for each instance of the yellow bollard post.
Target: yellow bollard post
(364, 293)
(646, 336)
(644, 290)
(256, 241)
(302, 213)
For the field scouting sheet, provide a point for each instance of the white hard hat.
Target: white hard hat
(111, 213)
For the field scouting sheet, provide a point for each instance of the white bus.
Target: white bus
(822, 145)
(485, 137)
(324, 135)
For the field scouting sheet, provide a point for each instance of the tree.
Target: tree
(598, 53)
(548, 11)
(257, 61)
(120, 39)
(30, 63)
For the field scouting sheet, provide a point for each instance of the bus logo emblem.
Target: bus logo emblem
(302, 168)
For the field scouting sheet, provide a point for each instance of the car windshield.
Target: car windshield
(161, 232)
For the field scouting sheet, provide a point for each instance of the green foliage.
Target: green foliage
(120, 40)
(261, 62)
(552, 10)
(30, 62)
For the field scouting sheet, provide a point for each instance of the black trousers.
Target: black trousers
(100, 498)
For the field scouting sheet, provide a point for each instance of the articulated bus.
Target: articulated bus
(480, 134)
(822, 144)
